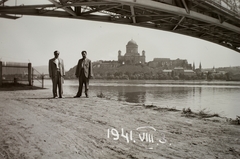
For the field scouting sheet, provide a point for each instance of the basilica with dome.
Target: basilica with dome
(131, 56)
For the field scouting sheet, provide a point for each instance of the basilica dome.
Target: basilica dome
(132, 42)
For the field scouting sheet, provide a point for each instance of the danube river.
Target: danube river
(220, 97)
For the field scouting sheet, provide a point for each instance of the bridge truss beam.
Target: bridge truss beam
(200, 19)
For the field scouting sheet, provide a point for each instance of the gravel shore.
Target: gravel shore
(33, 125)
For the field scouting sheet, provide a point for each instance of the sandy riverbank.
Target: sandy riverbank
(33, 125)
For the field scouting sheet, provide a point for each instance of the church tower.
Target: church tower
(119, 55)
(143, 57)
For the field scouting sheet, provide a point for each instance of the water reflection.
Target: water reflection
(132, 95)
(220, 99)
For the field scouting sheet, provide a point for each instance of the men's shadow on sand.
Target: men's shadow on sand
(18, 87)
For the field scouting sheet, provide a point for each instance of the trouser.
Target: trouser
(57, 83)
(83, 80)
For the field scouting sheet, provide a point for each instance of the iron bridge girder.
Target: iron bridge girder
(200, 19)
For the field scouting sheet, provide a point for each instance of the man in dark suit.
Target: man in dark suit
(56, 73)
(83, 73)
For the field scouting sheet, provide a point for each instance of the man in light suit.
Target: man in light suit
(83, 73)
(56, 73)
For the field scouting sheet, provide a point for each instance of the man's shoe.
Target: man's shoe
(61, 97)
(55, 97)
(76, 96)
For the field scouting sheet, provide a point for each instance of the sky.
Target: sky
(34, 39)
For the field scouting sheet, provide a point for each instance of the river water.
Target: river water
(220, 97)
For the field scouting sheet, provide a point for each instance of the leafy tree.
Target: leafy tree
(127, 73)
(176, 78)
(228, 75)
(172, 73)
(187, 77)
(195, 77)
(109, 74)
(210, 77)
(181, 76)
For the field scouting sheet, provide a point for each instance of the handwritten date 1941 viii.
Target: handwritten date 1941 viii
(145, 134)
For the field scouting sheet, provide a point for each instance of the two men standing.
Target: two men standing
(57, 72)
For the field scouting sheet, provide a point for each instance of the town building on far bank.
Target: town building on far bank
(177, 71)
(167, 63)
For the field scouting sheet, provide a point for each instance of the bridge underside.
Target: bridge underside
(204, 19)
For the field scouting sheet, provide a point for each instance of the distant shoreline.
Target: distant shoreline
(141, 82)
(173, 82)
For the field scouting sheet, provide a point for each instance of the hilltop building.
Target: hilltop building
(177, 71)
(105, 64)
(167, 63)
(131, 56)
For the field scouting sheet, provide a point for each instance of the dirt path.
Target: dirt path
(32, 125)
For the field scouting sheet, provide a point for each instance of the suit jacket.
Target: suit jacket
(86, 65)
(52, 67)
